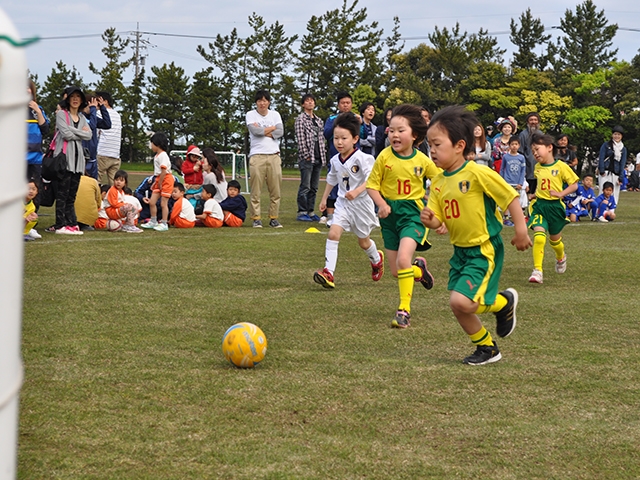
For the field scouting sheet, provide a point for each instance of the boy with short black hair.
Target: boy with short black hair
(354, 209)
(465, 198)
(513, 170)
(604, 206)
(234, 206)
(182, 213)
(581, 205)
(212, 215)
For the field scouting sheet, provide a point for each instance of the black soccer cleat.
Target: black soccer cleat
(484, 354)
(427, 279)
(506, 318)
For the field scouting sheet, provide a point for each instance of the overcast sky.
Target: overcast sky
(209, 18)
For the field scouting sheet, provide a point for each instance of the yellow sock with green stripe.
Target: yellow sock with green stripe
(558, 247)
(500, 303)
(405, 285)
(417, 273)
(539, 239)
(483, 337)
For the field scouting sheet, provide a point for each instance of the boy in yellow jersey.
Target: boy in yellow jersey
(396, 185)
(465, 198)
(547, 211)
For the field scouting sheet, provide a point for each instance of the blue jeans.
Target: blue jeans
(91, 169)
(309, 181)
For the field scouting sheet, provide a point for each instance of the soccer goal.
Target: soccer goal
(236, 161)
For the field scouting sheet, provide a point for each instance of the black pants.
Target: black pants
(65, 200)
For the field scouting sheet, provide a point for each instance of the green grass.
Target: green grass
(125, 377)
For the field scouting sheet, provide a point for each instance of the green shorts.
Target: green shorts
(475, 271)
(548, 214)
(404, 221)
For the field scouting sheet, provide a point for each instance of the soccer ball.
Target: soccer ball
(244, 345)
(114, 225)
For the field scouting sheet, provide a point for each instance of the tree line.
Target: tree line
(576, 83)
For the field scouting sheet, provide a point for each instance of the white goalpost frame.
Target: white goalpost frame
(13, 134)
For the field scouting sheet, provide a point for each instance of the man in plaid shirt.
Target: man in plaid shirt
(312, 154)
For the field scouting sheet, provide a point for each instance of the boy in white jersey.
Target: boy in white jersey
(354, 209)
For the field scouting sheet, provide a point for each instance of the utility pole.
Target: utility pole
(139, 45)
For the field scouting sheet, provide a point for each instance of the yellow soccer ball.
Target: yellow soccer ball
(244, 345)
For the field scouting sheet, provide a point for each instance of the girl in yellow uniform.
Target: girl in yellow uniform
(397, 186)
(548, 213)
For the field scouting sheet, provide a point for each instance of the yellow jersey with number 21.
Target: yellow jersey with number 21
(553, 176)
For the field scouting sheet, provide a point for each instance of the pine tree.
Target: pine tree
(587, 37)
(134, 141)
(166, 103)
(110, 76)
(227, 55)
(526, 38)
(204, 125)
(309, 53)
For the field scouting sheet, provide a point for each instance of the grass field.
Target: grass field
(125, 377)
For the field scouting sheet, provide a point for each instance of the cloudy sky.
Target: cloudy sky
(63, 18)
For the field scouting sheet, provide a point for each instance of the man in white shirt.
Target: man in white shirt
(109, 142)
(265, 130)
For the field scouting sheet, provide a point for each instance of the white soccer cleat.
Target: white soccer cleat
(536, 277)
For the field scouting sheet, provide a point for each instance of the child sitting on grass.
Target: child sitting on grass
(604, 206)
(234, 207)
(116, 206)
(30, 215)
(182, 213)
(211, 215)
(130, 198)
(103, 218)
(580, 206)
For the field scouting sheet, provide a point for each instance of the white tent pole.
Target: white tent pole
(13, 132)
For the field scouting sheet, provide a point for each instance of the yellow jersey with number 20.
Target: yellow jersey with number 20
(465, 201)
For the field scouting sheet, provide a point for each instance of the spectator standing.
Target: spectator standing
(424, 145)
(37, 126)
(481, 154)
(501, 142)
(312, 155)
(612, 162)
(109, 142)
(382, 132)
(368, 129)
(533, 126)
(566, 153)
(265, 130)
(96, 122)
(72, 129)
